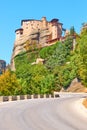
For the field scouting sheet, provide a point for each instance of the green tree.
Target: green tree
(72, 31)
(61, 54)
(64, 75)
(81, 53)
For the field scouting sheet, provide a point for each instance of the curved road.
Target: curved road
(43, 114)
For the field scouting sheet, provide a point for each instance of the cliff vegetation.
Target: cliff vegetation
(60, 65)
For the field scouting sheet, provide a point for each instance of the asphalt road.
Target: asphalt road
(43, 114)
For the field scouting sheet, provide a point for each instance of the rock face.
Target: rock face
(43, 32)
(76, 86)
(38, 61)
(19, 45)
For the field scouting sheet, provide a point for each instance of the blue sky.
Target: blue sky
(69, 12)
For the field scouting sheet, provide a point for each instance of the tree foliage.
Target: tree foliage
(81, 57)
(72, 31)
(9, 84)
(40, 78)
(61, 54)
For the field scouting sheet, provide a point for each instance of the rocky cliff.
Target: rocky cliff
(41, 32)
(40, 37)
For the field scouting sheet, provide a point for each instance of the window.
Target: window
(21, 33)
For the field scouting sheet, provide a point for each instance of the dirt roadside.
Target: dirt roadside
(85, 102)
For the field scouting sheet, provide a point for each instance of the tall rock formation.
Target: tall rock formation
(43, 32)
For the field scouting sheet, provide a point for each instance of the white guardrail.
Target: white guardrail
(36, 96)
(71, 94)
(23, 97)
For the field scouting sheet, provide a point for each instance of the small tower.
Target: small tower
(44, 22)
(18, 32)
(54, 28)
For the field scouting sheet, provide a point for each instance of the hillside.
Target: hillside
(61, 65)
(43, 70)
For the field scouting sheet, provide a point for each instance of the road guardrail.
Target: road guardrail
(23, 97)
